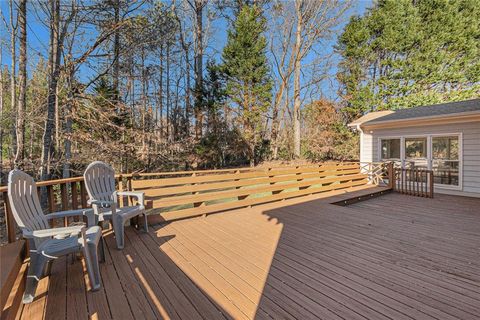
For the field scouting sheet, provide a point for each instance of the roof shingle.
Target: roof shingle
(420, 112)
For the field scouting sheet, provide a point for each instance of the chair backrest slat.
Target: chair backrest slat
(100, 181)
(23, 197)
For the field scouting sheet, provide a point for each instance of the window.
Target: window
(390, 149)
(445, 160)
(415, 148)
(416, 153)
(440, 153)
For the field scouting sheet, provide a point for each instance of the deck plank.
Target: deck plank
(390, 257)
(56, 307)
(206, 307)
(169, 292)
(76, 292)
(116, 298)
(139, 303)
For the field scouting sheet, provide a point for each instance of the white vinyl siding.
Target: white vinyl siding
(366, 154)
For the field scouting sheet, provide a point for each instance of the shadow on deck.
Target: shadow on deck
(391, 257)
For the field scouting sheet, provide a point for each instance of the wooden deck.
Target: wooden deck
(391, 257)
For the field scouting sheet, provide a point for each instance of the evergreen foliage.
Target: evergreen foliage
(408, 53)
(245, 67)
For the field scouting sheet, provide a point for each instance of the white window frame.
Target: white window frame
(429, 157)
(402, 147)
(460, 159)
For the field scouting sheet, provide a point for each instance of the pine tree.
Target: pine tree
(246, 70)
(407, 53)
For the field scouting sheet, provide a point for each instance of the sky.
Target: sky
(38, 38)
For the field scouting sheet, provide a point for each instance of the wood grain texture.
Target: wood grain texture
(390, 257)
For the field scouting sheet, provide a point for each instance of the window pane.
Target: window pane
(445, 148)
(390, 149)
(445, 172)
(416, 163)
(415, 147)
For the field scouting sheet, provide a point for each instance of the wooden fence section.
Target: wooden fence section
(201, 193)
(413, 181)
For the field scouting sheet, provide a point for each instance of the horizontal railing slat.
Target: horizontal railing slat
(140, 184)
(192, 212)
(179, 200)
(157, 192)
(233, 170)
(194, 188)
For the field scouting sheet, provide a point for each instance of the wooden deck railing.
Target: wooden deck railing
(183, 194)
(378, 172)
(61, 194)
(413, 181)
(199, 193)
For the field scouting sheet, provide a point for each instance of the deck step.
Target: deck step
(13, 272)
(363, 197)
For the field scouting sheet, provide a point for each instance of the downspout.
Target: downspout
(364, 168)
(361, 140)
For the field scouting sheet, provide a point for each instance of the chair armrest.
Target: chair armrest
(101, 203)
(137, 194)
(52, 232)
(69, 213)
(74, 213)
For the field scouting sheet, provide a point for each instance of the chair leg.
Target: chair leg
(35, 272)
(102, 249)
(146, 222)
(93, 269)
(48, 268)
(118, 229)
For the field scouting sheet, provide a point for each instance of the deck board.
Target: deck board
(390, 257)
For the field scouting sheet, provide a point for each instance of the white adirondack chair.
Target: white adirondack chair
(46, 243)
(100, 182)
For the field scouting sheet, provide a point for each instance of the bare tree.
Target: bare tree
(197, 7)
(13, 78)
(56, 40)
(22, 79)
(1, 113)
(315, 20)
(282, 31)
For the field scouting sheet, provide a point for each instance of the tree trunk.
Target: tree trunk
(160, 94)
(199, 5)
(67, 140)
(296, 83)
(187, 94)
(13, 81)
(57, 120)
(116, 49)
(1, 117)
(144, 105)
(54, 72)
(276, 119)
(168, 93)
(22, 79)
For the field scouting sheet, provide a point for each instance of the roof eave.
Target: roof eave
(429, 120)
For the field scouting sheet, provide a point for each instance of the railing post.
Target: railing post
(83, 194)
(10, 223)
(391, 176)
(129, 188)
(430, 174)
(121, 188)
(73, 187)
(64, 197)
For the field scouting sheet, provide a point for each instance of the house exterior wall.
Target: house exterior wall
(470, 150)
